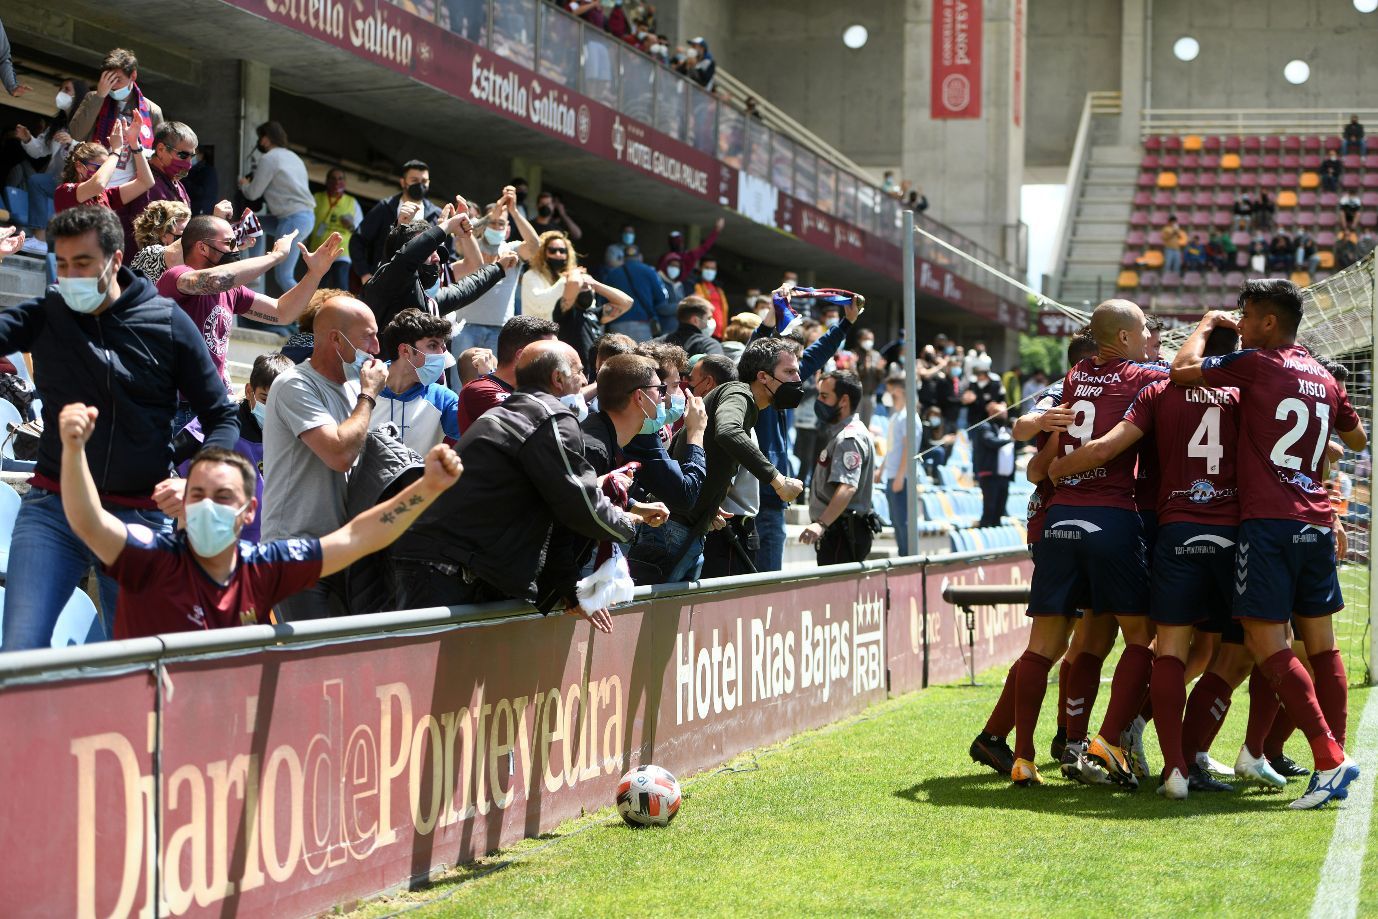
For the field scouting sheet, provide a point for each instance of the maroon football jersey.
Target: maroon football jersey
(1289, 405)
(1196, 433)
(1100, 395)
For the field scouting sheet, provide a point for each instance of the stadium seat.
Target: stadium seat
(1311, 144)
(1327, 219)
(9, 415)
(1203, 199)
(1227, 179)
(1212, 143)
(1327, 258)
(1310, 180)
(1371, 179)
(1233, 279)
(1291, 161)
(1368, 220)
(1143, 198)
(1167, 180)
(1150, 161)
(1187, 180)
(1222, 199)
(9, 512)
(1172, 142)
(1153, 143)
(1233, 143)
(1270, 161)
(1191, 142)
(1153, 258)
(77, 622)
(1289, 180)
(1146, 180)
(1285, 219)
(1351, 162)
(1229, 161)
(1291, 144)
(1268, 179)
(1136, 238)
(1191, 279)
(1162, 198)
(1127, 279)
(1325, 239)
(1253, 143)
(1272, 144)
(1329, 200)
(1247, 178)
(1301, 279)
(1249, 161)
(1306, 199)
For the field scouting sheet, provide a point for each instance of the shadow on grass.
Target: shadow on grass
(1058, 796)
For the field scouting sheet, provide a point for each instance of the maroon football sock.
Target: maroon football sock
(1064, 674)
(1169, 690)
(1127, 690)
(1031, 684)
(1206, 708)
(1332, 691)
(1293, 685)
(1283, 728)
(1146, 711)
(1083, 682)
(1263, 708)
(1001, 720)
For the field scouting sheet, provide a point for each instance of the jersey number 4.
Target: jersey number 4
(1295, 408)
(1205, 442)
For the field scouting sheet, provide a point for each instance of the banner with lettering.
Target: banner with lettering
(955, 85)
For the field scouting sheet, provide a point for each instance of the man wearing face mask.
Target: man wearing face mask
(675, 482)
(366, 248)
(840, 497)
(415, 401)
(768, 376)
(616, 253)
(695, 330)
(650, 300)
(524, 471)
(689, 259)
(551, 215)
(117, 96)
(710, 291)
(409, 277)
(210, 575)
(315, 428)
(336, 212)
(870, 369)
(485, 316)
(280, 180)
(102, 336)
(672, 277)
(253, 410)
(174, 145)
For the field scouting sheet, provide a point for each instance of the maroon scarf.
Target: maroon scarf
(110, 109)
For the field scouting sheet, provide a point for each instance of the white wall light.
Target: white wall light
(1297, 72)
(1186, 48)
(856, 36)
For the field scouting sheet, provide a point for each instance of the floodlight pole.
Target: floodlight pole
(911, 385)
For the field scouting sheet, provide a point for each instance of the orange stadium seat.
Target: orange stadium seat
(1191, 142)
(1327, 258)
(1167, 180)
(1229, 161)
(1130, 279)
(1310, 180)
(1287, 198)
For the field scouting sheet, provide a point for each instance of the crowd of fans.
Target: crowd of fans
(459, 410)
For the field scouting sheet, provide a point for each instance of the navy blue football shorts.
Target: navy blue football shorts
(1099, 550)
(1284, 567)
(1191, 580)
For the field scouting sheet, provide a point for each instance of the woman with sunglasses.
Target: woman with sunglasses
(556, 288)
(86, 177)
(158, 234)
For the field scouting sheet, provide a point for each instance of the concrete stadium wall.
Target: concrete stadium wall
(1073, 49)
(1244, 46)
(278, 771)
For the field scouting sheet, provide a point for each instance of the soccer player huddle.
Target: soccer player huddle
(1185, 509)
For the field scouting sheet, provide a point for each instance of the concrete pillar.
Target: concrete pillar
(1133, 60)
(254, 89)
(971, 169)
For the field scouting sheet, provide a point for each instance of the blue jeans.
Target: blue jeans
(474, 335)
(41, 187)
(638, 330)
(1360, 148)
(47, 562)
(284, 271)
(899, 516)
(663, 544)
(337, 275)
(770, 530)
(1172, 261)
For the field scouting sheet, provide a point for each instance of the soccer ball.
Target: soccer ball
(648, 796)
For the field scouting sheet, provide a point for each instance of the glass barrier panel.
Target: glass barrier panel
(731, 135)
(846, 198)
(758, 149)
(638, 86)
(559, 47)
(600, 66)
(466, 18)
(827, 187)
(867, 199)
(670, 105)
(703, 121)
(782, 164)
(514, 31)
(805, 176)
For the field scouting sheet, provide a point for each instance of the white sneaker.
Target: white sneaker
(1174, 786)
(1132, 742)
(1331, 784)
(1256, 769)
(1212, 765)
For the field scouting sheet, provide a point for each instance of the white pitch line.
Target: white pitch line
(1337, 895)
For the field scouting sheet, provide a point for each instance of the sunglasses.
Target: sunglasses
(557, 252)
(660, 390)
(180, 154)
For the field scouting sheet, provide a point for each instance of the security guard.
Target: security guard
(840, 494)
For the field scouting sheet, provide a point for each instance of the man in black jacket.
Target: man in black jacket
(694, 314)
(413, 263)
(367, 244)
(992, 459)
(525, 468)
(105, 338)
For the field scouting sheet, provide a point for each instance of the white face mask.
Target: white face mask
(575, 403)
(709, 275)
(672, 272)
(712, 326)
(63, 100)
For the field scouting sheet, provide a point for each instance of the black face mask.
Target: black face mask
(787, 395)
(828, 414)
(521, 195)
(557, 265)
(227, 258)
(417, 190)
(428, 274)
(544, 210)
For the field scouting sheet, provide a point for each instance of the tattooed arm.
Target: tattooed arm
(378, 527)
(219, 278)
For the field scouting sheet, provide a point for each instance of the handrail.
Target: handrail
(1250, 121)
(46, 664)
(1076, 173)
(777, 118)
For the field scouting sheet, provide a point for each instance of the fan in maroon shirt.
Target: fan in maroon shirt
(1285, 562)
(1191, 435)
(205, 578)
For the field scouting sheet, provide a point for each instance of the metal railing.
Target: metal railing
(1096, 104)
(1250, 121)
(567, 50)
(23, 667)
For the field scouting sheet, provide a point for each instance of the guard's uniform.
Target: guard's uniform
(1197, 504)
(848, 459)
(1290, 404)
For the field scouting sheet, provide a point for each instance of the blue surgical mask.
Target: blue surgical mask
(211, 527)
(628, 239)
(432, 370)
(655, 422)
(356, 365)
(676, 410)
(260, 413)
(494, 237)
(576, 404)
(83, 295)
(122, 94)
(672, 272)
(709, 274)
